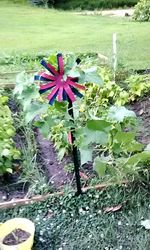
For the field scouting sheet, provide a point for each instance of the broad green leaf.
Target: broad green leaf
(100, 125)
(134, 147)
(90, 76)
(86, 155)
(5, 152)
(72, 72)
(124, 137)
(90, 136)
(147, 148)
(71, 61)
(34, 110)
(45, 126)
(9, 170)
(143, 157)
(16, 154)
(44, 129)
(22, 80)
(98, 137)
(93, 78)
(52, 59)
(118, 114)
(100, 166)
(61, 153)
(60, 106)
(10, 132)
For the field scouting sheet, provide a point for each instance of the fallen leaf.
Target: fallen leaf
(141, 112)
(112, 209)
(84, 176)
(69, 138)
(49, 213)
(146, 224)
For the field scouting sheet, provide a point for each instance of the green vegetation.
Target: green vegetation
(94, 4)
(80, 4)
(109, 219)
(8, 152)
(31, 30)
(101, 122)
(31, 169)
(142, 11)
(81, 222)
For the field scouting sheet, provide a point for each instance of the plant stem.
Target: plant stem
(76, 157)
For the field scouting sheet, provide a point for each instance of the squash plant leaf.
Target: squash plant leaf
(35, 109)
(61, 106)
(86, 155)
(91, 76)
(100, 166)
(88, 136)
(100, 125)
(142, 157)
(118, 114)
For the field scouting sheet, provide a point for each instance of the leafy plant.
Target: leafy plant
(8, 152)
(142, 11)
(101, 124)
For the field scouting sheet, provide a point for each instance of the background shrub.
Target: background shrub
(86, 4)
(142, 11)
(94, 4)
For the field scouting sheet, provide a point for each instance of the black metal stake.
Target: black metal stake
(76, 157)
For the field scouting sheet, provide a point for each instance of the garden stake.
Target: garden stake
(75, 152)
(62, 88)
(114, 54)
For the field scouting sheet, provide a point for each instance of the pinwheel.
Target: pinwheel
(61, 87)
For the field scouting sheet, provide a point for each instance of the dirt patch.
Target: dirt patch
(11, 186)
(16, 237)
(114, 13)
(142, 110)
(48, 159)
(118, 13)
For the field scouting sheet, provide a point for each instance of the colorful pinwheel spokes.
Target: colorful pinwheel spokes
(60, 88)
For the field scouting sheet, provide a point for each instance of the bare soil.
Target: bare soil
(49, 160)
(16, 237)
(114, 13)
(142, 110)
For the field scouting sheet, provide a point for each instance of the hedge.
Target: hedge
(81, 4)
(94, 4)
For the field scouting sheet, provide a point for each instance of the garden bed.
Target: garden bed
(102, 140)
(14, 192)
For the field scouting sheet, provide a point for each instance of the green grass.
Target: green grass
(27, 29)
(72, 223)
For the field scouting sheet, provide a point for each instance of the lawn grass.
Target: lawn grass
(71, 223)
(29, 29)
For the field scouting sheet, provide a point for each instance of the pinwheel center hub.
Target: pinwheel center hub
(60, 81)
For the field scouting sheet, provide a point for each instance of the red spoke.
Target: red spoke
(69, 92)
(60, 64)
(52, 69)
(50, 96)
(76, 85)
(48, 76)
(60, 94)
(48, 85)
